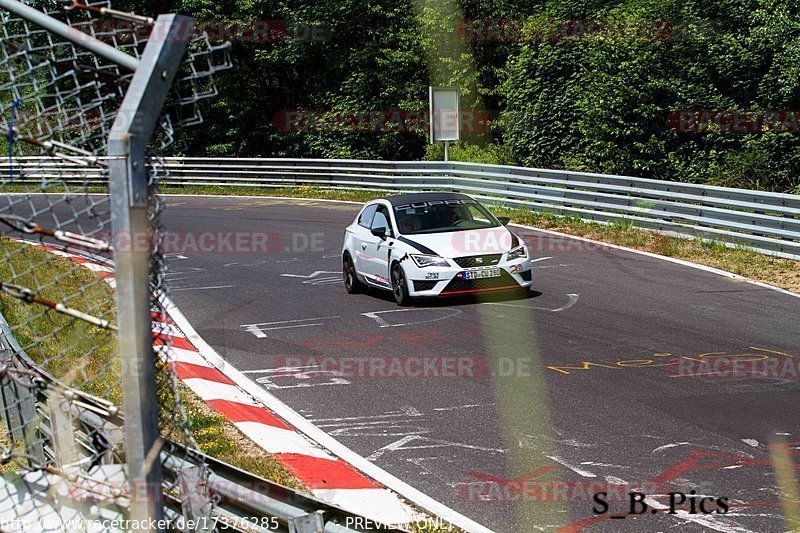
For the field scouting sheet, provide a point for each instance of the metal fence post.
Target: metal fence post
(130, 204)
(18, 402)
(62, 426)
(9, 398)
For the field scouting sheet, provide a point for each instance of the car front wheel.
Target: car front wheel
(400, 286)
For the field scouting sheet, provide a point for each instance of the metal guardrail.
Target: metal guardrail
(242, 501)
(763, 221)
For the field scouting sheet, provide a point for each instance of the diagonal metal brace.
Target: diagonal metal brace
(69, 33)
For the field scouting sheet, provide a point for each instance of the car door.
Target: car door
(377, 250)
(361, 236)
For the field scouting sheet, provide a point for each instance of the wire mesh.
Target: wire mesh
(59, 361)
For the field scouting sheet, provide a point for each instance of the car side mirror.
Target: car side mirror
(379, 232)
(504, 220)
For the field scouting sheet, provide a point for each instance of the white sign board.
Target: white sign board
(444, 117)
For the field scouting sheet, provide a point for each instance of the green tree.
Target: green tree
(600, 101)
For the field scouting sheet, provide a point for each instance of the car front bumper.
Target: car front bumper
(449, 281)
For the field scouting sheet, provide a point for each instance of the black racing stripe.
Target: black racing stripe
(418, 246)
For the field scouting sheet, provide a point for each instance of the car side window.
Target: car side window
(381, 219)
(365, 219)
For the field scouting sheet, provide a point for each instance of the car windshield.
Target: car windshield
(443, 216)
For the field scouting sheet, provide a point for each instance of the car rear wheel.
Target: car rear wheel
(351, 282)
(400, 286)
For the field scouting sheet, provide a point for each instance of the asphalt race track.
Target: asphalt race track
(602, 380)
(620, 373)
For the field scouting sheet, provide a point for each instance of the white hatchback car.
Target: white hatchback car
(432, 244)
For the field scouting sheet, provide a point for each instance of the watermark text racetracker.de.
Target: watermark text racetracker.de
(722, 366)
(254, 31)
(381, 120)
(111, 524)
(533, 488)
(745, 121)
(754, 361)
(258, 31)
(410, 366)
(557, 30)
(221, 242)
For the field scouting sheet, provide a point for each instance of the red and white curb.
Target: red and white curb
(380, 500)
(320, 462)
(327, 476)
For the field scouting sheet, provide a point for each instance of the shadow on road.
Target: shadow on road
(448, 301)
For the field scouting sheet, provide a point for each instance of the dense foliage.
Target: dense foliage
(583, 84)
(602, 102)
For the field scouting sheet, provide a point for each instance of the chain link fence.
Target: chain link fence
(68, 82)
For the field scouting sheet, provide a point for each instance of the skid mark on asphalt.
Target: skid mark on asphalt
(560, 265)
(539, 259)
(316, 278)
(174, 255)
(603, 465)
(400, 423)
(424, 470)
(305, 259)
(236, 263)
(407, 429)
(688, 466)
(382, 318)
(176, 275)
(468, 406)
(390, 342)
(312, 275)
(425, 443)
(563, 462)
(405, 410)
(298, 377)
(381, 428)
(259, 328)
(666, 446)
(573, 299)
(180, 280)
(384, 323)
(206, 288)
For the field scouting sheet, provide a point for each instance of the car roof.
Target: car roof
(416, 197)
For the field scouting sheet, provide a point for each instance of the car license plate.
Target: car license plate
(479, 274)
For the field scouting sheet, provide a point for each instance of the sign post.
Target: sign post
(445, 123)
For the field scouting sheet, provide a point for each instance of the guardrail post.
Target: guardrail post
(19, 403)
(8, 394)
(11, 402)
(309, 523)
(61, 425)
(195, 505)
(130, 207)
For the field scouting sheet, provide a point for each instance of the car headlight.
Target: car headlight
(423, 261)
(517, 253)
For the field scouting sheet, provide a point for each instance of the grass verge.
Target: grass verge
(76, 352)
(86, 357)
(784, 273)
